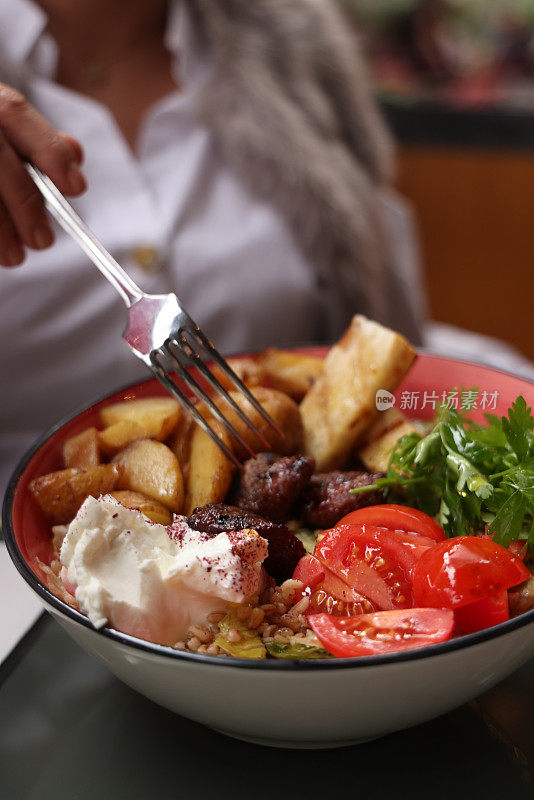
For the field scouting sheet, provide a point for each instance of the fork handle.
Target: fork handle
(69, 220)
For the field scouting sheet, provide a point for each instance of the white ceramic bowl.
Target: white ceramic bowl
(282, 703)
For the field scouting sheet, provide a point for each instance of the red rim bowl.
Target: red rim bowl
(27, 533)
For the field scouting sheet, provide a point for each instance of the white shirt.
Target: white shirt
(227, 255)
(61, 322)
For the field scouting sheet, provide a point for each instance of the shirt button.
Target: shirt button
(146, 257)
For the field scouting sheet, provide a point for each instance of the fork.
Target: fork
(160, 332)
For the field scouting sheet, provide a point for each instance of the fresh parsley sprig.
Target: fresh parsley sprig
(471, 475)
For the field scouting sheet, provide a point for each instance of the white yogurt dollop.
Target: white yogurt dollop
(150, 581)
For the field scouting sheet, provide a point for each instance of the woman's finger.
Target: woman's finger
(11, 249)
(22, 200)
(36, 140)
(77, 149)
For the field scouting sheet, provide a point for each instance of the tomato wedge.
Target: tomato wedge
(464, 570)
(482, 614)
(518, 548)
(379, 564)
(396, 518)
(310, 571)
(328, 593)
(383, 632)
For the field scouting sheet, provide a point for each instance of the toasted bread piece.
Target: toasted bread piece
(342, 402)
(381, 437)
(291, 373)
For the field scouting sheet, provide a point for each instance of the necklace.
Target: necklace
(95, 74)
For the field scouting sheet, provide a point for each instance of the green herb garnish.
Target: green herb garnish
(470, 475)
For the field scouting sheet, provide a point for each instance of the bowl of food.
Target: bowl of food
(365, 572)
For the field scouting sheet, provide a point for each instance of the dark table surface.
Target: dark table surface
(69, 730)
(425, 124)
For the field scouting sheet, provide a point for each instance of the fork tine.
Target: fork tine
(212, 380)
(201, 394)
(171, 387)
(238, 383)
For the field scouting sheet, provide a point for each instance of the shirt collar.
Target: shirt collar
(22, 23)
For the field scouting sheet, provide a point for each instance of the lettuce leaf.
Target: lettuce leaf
(308, 538)
(250, 645)
(296, 650)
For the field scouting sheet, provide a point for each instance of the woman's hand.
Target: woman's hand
(25, 134)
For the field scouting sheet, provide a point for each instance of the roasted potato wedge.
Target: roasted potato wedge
(82, 451)
(291, 373)
(180, 442)
(60, 494)
(282, 409)
(119, 435)
(146, 505)
(152, 468)
(157, 415)
(249, 370)
(342, 402)
(381, 437)
(210, 471)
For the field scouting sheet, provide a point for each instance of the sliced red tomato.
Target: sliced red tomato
(383, 632)
(397, 518)
(328, 593)
(376, 562)
(310, 571)
(482, 614)
(341, 603)
(518, 548)
(464, 570)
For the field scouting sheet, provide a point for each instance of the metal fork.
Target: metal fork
(159, 331)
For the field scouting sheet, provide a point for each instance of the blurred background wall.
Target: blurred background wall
(456, 82)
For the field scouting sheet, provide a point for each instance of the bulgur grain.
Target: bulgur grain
(280, 637)
(291, 586)
(243, 612)
(275, 619)
(201, 633)
(301, 606)
(256, 617)
(215, 617)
